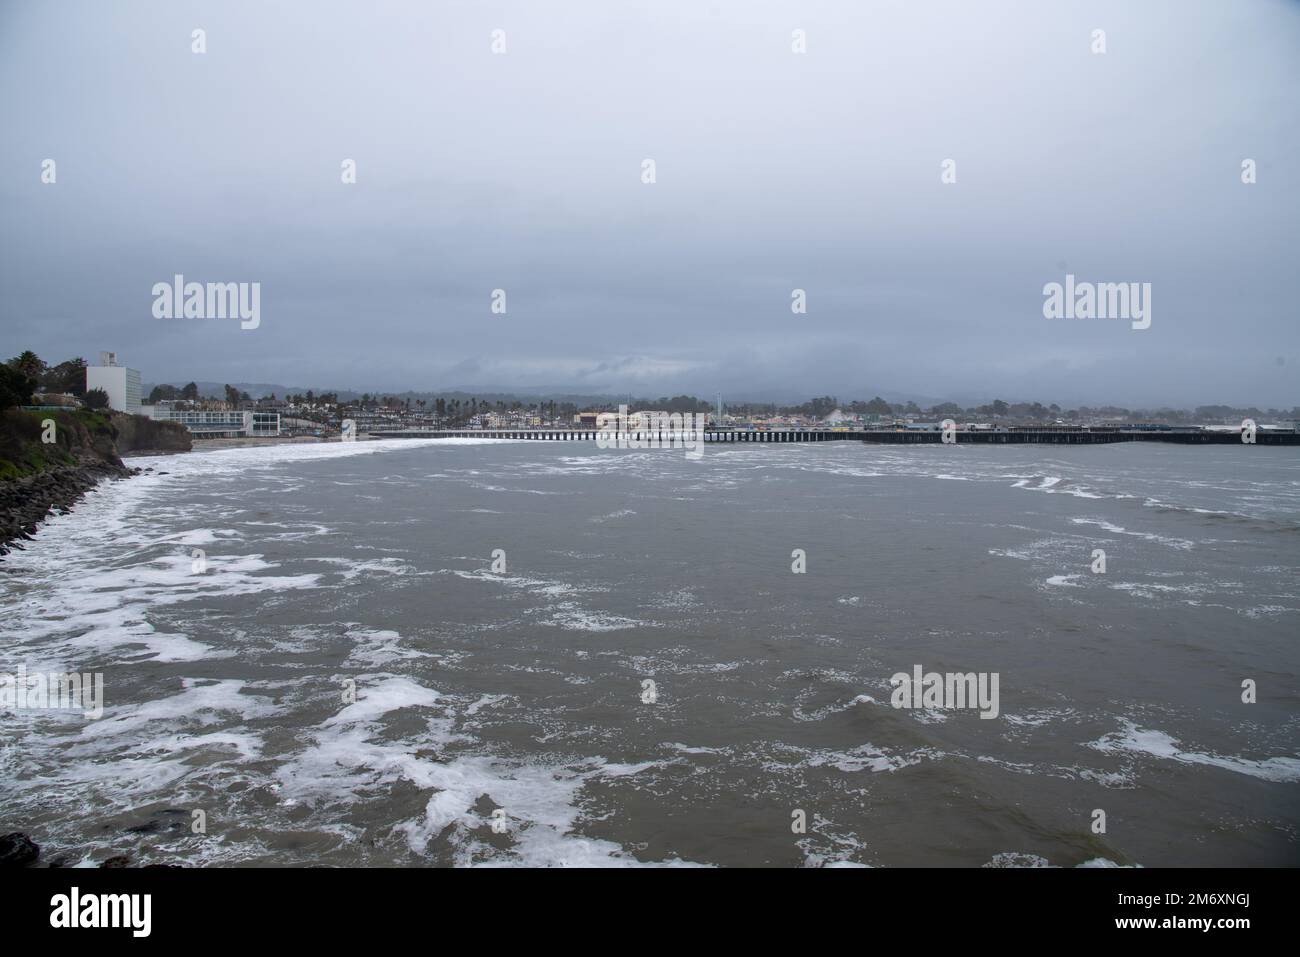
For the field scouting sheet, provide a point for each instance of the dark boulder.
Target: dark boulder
(18, 850)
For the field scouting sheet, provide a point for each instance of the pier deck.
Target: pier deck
(881, 436)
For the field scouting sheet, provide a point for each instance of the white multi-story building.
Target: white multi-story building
(121, 384)
(221, 424)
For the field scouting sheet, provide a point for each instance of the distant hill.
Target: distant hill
(217, 390)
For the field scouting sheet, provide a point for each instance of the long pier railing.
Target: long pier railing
(642, 437)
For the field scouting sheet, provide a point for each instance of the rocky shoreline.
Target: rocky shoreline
(26, 502)
(17, 850)
(49, 460)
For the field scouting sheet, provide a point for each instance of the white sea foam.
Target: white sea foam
(1036, 719)
(139, 751)
(1052, 484)
(350, 568)
(572, 618)
(376, 647)
(1067, 581)
(838, 707)
(1017, 859)
(97, 609)
(1014, 859)
(1180, 543)
(621, 513)
(563, 610)
(89, 597)
(347, 758)
(865, 757)
(687, 749)
(1135, 740)
(485, 701)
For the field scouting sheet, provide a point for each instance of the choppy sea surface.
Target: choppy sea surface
(350, 681)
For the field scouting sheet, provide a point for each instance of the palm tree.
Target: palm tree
(29, 364)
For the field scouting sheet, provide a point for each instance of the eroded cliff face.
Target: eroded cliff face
(138, 435)
(36, 442)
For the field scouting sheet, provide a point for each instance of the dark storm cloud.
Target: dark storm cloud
(775, 171)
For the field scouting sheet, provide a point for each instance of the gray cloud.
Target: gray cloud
(775, 171)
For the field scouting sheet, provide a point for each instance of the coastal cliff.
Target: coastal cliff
(49, 459)
(138, 435)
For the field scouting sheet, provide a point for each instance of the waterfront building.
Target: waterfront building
(212, 424)
(121, 384)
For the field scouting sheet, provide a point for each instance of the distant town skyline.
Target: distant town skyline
(898, 172)
(212, 388)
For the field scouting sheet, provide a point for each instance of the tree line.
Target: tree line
(27, 374)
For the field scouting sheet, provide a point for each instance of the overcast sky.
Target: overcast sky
(775, 171)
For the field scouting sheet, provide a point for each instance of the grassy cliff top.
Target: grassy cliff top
(81, 437)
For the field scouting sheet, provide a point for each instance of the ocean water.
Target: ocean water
(350, 681)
